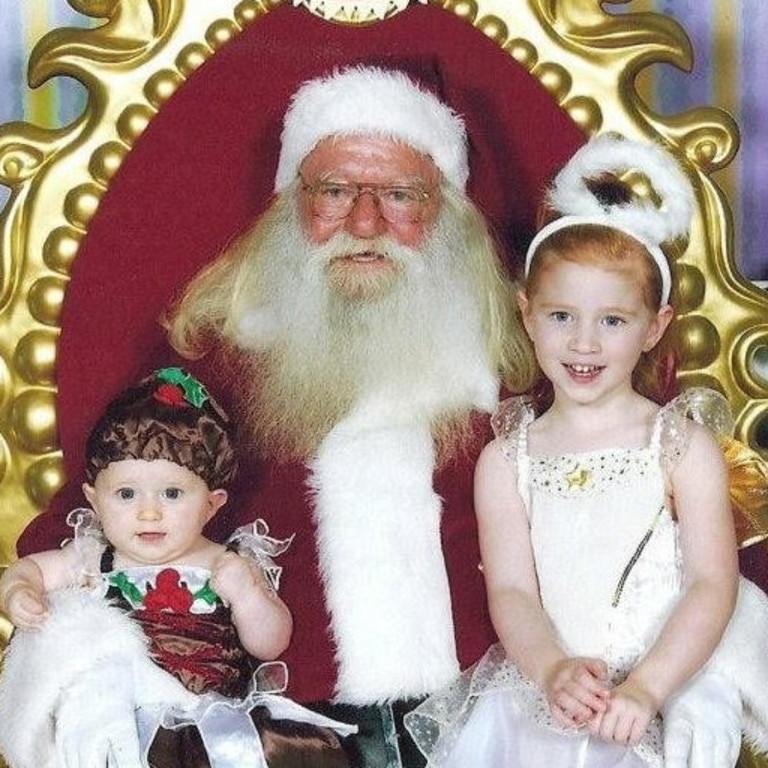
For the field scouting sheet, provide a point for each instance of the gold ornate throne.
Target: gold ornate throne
(176, 149)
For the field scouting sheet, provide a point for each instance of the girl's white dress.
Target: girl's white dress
(609, 569)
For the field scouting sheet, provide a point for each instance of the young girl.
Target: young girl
(606, 534)
(157, 464)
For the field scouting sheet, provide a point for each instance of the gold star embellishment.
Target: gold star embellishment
(578, 477)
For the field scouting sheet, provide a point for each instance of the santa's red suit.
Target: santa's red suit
(281, 493)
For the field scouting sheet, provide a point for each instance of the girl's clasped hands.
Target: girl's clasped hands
(580, 695)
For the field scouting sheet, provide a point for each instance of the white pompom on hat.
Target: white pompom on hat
(363, 99)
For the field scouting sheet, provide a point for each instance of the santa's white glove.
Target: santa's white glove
(96, 721)
(702, 724)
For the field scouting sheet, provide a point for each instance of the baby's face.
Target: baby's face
(153, 512)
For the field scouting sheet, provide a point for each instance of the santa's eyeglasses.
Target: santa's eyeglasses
(397, 203)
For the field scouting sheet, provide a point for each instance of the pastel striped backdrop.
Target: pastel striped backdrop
(731, 66)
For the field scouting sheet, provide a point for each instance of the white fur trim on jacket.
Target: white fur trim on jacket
(378, 522)
(81, 634)
(361, 100)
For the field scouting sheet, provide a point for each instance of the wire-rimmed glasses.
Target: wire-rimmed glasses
(397, 203)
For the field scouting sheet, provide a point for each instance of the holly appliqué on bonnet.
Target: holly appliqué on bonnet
(178, 387)
(166, 591)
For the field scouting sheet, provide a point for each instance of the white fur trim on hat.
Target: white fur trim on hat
(363, 100)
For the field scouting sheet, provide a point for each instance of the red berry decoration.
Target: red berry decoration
(170, 394)
(169, 594)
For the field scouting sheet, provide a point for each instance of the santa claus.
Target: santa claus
(373, 320)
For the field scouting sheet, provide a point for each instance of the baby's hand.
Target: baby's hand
(628, 715)
(577, 690)
(230, 575)
(26, 607)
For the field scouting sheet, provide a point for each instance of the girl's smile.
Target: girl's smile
(583, 373)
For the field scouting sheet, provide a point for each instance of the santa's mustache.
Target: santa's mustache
(343, 246)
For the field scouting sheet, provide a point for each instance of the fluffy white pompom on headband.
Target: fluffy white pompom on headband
(361, 100)
(642, 220)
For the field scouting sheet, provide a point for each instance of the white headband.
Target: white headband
(574, 221)
(361, 100)
(647, 223)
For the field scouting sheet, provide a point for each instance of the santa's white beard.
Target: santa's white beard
(328, 334)
(356, 375)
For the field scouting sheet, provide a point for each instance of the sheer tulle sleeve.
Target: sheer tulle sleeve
(510, 422)
(89, 543)
(698, 404)
(253, 541)
(747, 471)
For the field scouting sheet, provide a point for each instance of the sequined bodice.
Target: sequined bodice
(605, 545)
